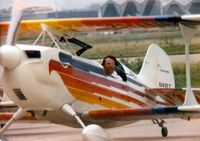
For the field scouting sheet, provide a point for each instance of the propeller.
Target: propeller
(17, 10)
(9, 54)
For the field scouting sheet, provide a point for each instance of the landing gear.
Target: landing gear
(164, 132)
(91, 132)
(160, 123)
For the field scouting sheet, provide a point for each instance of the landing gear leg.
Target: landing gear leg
(91, 132)
(160, 123)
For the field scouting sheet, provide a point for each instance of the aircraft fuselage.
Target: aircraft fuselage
(47, 78)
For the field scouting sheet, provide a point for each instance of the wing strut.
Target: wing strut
(91, 132)
(62, 38)
(19, 114)
(187, 36)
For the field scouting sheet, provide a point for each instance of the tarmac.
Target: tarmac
(178, 130)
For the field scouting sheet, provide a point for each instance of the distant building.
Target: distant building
(28, 14)
(173, 7)
(73, 14)
(36, 13)
(129, 8)
(194, 7)
(150, 7)
(111, 8)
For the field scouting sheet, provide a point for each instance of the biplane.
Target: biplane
(51, 83)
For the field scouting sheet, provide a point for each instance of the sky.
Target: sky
(56, 4)
(67, 4)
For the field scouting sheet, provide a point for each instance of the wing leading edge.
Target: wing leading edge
(32, 27)
(139, 114)
(5, 116)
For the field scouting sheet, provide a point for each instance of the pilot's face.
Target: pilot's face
(109, 66)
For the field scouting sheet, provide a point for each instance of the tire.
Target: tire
(164, 132)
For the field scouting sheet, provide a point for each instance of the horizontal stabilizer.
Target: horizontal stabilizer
(173, 96)
(189, 108)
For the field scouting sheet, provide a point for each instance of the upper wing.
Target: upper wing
(173, 96)
(31, 28)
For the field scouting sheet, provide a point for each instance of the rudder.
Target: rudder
(156, 71)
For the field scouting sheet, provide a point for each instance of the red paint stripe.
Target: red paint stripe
(198, 99)
(162, 103)
(181, 98)
(115, 114)
(89, 87)
(170, 100)
(57, 66)
(121, 23)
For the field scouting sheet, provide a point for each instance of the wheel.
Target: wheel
(164, 132)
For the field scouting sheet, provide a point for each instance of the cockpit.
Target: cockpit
(120, 68)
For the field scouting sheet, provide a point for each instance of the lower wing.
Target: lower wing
(5, 116)
(128, 115)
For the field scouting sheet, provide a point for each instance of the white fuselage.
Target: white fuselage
(44, 80)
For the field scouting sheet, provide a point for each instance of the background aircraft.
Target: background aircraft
(56, 85)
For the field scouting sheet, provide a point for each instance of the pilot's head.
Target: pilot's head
(109, 64)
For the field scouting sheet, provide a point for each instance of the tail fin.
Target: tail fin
(156, 71)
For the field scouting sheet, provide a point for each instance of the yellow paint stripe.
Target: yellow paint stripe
(93, 99)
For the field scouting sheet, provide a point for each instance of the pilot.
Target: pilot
(109, 67)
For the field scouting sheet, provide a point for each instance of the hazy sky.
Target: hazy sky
(60, 4)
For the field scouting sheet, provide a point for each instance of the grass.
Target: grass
(179, 72)
(130, 44)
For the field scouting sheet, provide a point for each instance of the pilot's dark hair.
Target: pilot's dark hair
(109, 56)
(118, 67)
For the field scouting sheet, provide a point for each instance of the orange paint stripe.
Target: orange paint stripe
(87, 86)
(80, 74)
(8, 116)
(197, 98)
(31, 27)
(181, 98)
(170, 100)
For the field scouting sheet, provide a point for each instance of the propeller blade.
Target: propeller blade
(17, 10)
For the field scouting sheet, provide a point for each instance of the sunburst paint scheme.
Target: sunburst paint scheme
(31, 28)
(47, 78)
(84, 83)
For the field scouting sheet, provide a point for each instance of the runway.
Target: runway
(178, 130)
